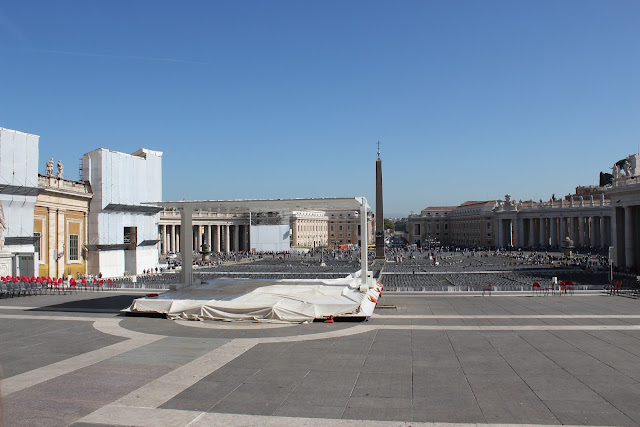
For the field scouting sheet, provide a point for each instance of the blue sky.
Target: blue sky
(271, 99)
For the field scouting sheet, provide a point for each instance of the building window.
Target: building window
(446, 226)
(73, 247)
(438, 227)
(340, 228)
(332, 228)
(348, 227)
(36, 245)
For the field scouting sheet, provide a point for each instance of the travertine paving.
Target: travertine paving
(425, 358)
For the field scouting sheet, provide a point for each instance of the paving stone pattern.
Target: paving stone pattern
(458, 358)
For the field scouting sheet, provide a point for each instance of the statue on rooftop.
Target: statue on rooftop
(50, 167)
(60, 169)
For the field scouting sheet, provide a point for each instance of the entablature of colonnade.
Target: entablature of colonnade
(555, 208)
(172, 217)
(565, 212)
(623, 196)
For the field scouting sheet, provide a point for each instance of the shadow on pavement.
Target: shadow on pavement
(111, 304)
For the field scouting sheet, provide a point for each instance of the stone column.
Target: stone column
(207, 235)
(512, 232)
(186, 252)
(499, 232)
(216, 238)
(520, 231)
(51, 241)
(547, 231)
(85, 225)
(629, 237)
(531, 233)
(554, 231)
(236, 238)
(61, 245)
(542, 232)
(586, 232)
(164, 236)
(227, 245)
(592, 232)
(178, 248)
(617, 235)
(172, 237)
(603, 233)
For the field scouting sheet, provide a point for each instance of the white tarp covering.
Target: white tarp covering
(287, 300)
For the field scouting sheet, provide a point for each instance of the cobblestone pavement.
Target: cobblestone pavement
(421, 359)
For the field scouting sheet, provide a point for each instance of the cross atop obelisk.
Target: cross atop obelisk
(379, 210)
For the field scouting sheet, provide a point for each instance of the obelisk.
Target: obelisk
(379, 210)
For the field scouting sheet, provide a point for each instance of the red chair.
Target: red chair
(40, 286)
(536, 288)
(59, 285)
(100, 284)
(487, 289)
(84, 283)
(112, 285)
(73, 286)
(53, 284)
(566, 286)
(615, 288)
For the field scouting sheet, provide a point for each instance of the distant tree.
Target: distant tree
(389, 224)
(401, 226)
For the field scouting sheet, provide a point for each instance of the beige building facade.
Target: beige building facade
(309, 229)
(344, 227)
(471, 224)
(60, 226)
(430, 226)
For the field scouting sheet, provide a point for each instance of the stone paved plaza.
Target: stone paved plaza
(422, 359)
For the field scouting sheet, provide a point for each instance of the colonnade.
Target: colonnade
(220, 237)
(549, 232)
(627, 238)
